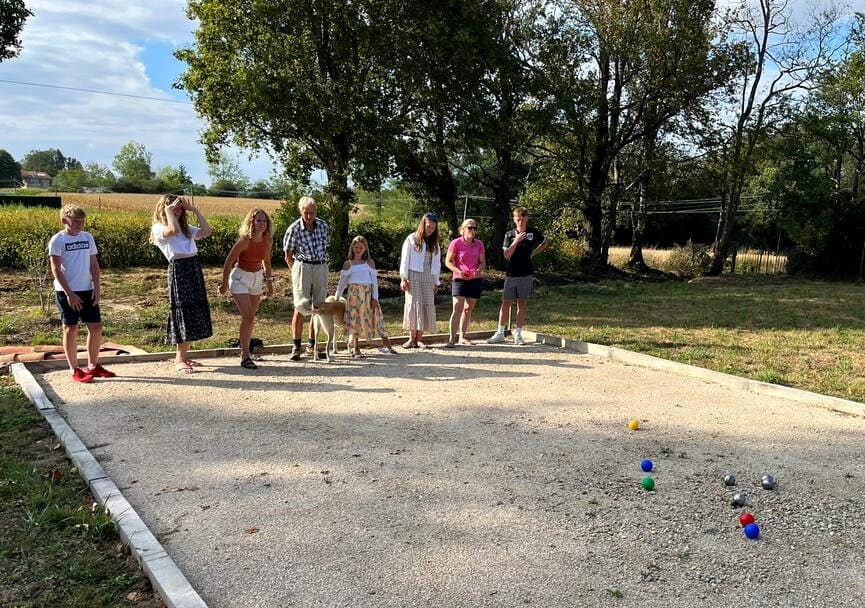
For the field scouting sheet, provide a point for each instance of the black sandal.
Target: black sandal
(248, 363)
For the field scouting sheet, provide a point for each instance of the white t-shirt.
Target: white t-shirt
(175, 246)
(74, 253)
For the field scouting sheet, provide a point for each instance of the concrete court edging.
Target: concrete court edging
(173, 587)
(169, 582)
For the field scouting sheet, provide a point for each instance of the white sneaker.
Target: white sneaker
(386, 351)
(496, 338)
(518, 340)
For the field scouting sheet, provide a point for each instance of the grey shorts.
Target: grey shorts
(308, 282)
(518, 288)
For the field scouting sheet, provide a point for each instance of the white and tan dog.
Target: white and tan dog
(324, 319)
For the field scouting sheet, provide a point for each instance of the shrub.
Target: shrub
(121, 237)
(562, 254)
(385, 241)
(690, 259)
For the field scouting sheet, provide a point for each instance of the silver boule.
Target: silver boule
(768, 482)
(729, 480)
(738, 500)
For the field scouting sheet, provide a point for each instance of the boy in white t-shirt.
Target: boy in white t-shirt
(76, 285)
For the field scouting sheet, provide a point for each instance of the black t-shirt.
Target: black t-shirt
(520, 264)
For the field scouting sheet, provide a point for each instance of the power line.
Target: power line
(54, 86)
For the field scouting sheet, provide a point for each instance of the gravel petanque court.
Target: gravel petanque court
(480, 476)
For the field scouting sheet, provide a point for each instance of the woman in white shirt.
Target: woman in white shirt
(419, 270)
(189, 311)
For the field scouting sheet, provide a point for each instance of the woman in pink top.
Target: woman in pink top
(466, 259)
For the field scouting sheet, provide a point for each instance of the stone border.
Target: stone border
(173, 587)
(167, 579)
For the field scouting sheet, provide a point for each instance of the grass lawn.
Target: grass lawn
(56, 551)
(795, 332)
(56, 548)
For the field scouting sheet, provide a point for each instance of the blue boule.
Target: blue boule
(646, 465)
(752, 531)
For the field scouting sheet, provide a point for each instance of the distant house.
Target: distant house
(35, 179)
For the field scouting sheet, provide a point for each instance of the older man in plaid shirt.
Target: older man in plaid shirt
(305, 244)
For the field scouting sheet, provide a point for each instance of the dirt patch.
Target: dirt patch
(480, 476)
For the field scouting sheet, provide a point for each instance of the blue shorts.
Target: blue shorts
(88, 313)
(471, 289)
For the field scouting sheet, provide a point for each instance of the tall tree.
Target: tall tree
(785, 58)
(99, 176)
(300, 80)
(13, 14)
(635, 65)
(10, 170)
(51, 161)
(173, 178)
(226, 173)
(513, 113)
(440, 54)
(133, 163)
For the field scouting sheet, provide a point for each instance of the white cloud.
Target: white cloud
(98, 45)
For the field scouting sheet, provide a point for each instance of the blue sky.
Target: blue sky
(107, 45)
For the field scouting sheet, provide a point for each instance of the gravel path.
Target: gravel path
(480, 476)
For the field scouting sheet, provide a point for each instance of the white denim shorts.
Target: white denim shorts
(243, 281)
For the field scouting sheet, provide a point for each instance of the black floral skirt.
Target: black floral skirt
(189, 314)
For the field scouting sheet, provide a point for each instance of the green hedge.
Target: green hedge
(121, 237)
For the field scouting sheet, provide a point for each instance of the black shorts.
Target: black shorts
(467, 289)
(88, 313)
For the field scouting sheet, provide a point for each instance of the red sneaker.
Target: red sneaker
(100, 372)
(82, 376)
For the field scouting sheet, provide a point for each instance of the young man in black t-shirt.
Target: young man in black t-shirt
(520, 246)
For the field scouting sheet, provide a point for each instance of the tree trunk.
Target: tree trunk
(726, 223)
(638, 210)
(501, 207)
(638, 222)
(594, 214)
(598, 173)
(609, 222)
(342, 199)
(445, 184)
(857, 172)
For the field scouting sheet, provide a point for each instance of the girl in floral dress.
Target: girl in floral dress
(359, 277)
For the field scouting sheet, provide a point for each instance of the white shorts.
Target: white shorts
(243, 281)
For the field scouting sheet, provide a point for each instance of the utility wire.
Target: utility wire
(54, 86)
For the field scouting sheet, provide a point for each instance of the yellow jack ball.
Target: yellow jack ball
(633, 424)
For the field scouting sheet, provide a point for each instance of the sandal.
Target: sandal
(184, 368)
(248, 363)
(192, 363)
(409, 344)
(466, 342)
(421, 345)
(450, 345)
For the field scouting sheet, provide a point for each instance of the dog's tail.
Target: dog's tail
(305, 307)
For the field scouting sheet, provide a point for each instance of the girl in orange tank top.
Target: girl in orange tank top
(247, 274)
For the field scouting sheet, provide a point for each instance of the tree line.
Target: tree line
(595, 113)
(131, 171)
